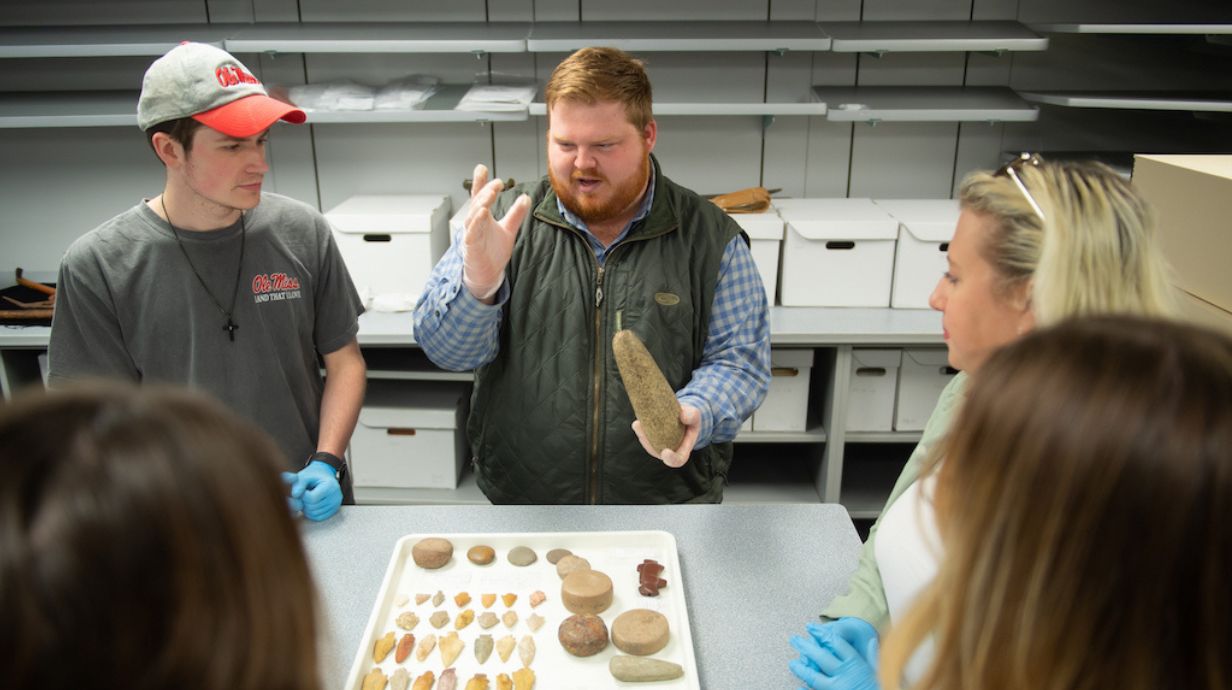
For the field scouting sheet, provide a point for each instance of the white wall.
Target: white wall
(56, 184)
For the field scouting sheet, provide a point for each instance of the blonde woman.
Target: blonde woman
(1036, 242)
(145, 543)
(1085, 509)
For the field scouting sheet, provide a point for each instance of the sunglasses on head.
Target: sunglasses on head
(1011, 170)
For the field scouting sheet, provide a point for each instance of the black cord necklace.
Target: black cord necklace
(231, 326)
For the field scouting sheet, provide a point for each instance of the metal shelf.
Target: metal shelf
(1157, 29)
(883, 436)
(380, 37)
(707, 109)
(724, 36)
(940, 36)
(924, 104)
(105, 41)
(814, 435)
(1132, 101)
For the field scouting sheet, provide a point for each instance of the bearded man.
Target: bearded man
(604, 242)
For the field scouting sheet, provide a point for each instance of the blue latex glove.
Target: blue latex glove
(294, 504)
(858, 632)
(317, 490)
(829, 662)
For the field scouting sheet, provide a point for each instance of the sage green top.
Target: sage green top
(865, 597)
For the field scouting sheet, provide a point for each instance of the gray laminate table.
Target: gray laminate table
(766, 568)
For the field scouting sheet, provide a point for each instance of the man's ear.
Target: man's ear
(168, 150)
(650, 134)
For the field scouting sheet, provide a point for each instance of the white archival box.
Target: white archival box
(837, 253)
(870, 401)
(390, 242)
(765, 231)
(410, 434)
(786, 404)
(924, 373)
(925, 227)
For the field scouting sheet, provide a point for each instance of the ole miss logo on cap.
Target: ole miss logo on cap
(233, 75)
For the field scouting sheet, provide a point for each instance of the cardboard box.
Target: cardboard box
(837, 253)
(1204, 313)
(925, 227)
(924, 373)
(765, 231)
(1193, 198)
(870, 400)
(786, 404)
(411, 434)
(391, 242)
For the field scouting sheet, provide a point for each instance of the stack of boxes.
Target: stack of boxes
(391, 242)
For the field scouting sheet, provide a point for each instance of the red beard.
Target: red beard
(592, 209)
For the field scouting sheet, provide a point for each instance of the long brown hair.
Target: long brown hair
(1085, 507)
(145, 542)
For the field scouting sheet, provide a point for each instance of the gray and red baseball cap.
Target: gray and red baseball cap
(208, 84)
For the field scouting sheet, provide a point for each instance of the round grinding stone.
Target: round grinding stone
(586, 591)
(640, 632)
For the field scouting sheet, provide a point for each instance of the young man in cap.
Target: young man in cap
(217, 285)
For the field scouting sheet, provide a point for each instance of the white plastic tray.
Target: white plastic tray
(615, 553)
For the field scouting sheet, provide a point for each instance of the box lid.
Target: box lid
(1216, 165)
(928, 220)
(387, 213)
(931, 357)
(422, 404)
(877, 358)
(760, 226)
(791, 358)
(839, 219)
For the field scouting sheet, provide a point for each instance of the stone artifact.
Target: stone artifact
(556, 554)
(504, 682)
(401, 601)
(654, 401)
(640, 632)
(586, 591)
(451, 646)
(478, 682)
(487, 619)
(461, 599)
(464, 619)
(526, 650)
(425, 681)
(537, 597)
(432, 553)
(523, 679)
(583, 635)
(448, 680)
(522, 556)
(383, 647)
(504, 647)
(405, 645)
(570, 563)
(510, 618)
(509, 599)
(421, 598)
(438, 598)
(534, 622)
(438, 619)
(483, 648)
(400, 680)
(426, 644)
(648, 578)
(375, 680)
(481, 555)
(407, 620)
(637, 669)
(488, 600)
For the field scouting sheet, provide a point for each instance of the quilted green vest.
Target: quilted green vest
(550, 419)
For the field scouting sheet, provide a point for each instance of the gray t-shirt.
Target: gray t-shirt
(129, 306)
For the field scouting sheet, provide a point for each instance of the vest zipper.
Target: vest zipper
(597, 377)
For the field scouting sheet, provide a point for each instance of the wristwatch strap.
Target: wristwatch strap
(339, 465)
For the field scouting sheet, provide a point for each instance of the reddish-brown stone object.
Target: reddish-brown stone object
(649, 582)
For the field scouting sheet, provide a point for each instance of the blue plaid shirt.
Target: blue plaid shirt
(458, 332)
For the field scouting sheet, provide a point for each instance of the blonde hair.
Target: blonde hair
(1085, 508)
(593, 75)
(1096, 251)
